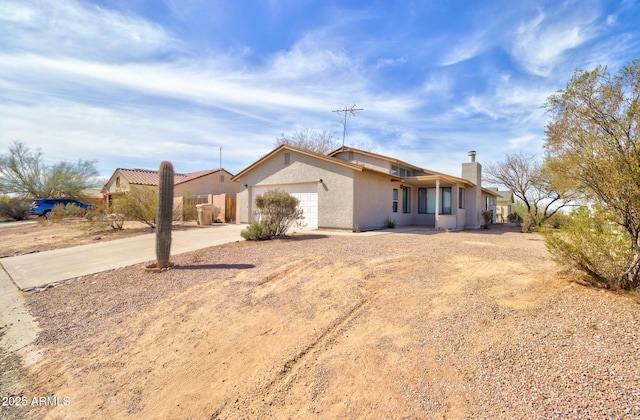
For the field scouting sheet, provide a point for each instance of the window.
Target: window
(221, 178)
(422, 200)
(431, 200)
(287, 158)
(117, 181)
(395, 200)
(394, 170)
(427, 200)
(445, 206)
(408, 172)
(403, 172)
(406, 200)
(461, 198)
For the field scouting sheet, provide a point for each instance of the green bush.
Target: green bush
(276, 212)
(556, 221)
(139, 203)
(14, 208)
(255, 232)
(589, 242)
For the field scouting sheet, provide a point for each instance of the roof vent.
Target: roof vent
(472, 156)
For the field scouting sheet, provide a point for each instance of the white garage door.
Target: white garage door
(306, 193)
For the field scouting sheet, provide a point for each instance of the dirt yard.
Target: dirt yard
(402, 325)
(44, 235)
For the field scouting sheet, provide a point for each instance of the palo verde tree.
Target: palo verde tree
(24, 173)
(527, 177)
(592, 143)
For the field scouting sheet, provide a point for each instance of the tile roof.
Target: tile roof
(149, 177)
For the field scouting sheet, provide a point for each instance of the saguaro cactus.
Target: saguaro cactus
(164, 215)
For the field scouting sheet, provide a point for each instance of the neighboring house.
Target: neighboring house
(503, 205)
(194, 184)
(358, 190)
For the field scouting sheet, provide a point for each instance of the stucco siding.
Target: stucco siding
(208, 184)
(335, 192)
(368, 161)
(373, 201)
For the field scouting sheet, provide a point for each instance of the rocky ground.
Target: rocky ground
(404, 325)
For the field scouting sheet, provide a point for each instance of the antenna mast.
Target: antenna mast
(346, 111)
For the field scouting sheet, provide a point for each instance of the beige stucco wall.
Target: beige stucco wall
(335, 192)
(502, 212)
(112, 188)
(368, 161)
(208, 184)
(373, 201)
(473, 205)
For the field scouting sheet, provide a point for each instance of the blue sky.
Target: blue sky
(130, 83)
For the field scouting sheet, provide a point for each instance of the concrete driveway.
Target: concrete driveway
(37, 270)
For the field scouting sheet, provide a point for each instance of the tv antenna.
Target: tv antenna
(345, 117)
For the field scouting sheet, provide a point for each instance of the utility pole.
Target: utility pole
(220, 174)
(346, 111)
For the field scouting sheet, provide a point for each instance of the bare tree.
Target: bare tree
(529, 180)
(320, 142)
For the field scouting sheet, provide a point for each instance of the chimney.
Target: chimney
(472, 171)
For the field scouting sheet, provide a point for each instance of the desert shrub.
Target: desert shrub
(390, 223)
(556, 221)
(139, 203)
(189, 209)
(57, 213)
(14, 208)
(515, 218)
(255, 232)
(60, 211)
(529, 224)
(276, 212)
(487, 217)
(589, 242)
(99, 221)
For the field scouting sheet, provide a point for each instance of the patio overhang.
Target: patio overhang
(432, 181)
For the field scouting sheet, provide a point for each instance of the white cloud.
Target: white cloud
(466, 49)
(540, 43)
(65, 27)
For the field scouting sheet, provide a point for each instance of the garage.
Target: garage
(306, 193)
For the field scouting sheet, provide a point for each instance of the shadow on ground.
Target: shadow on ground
(214, 267)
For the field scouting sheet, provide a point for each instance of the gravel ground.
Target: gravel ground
(415, 325)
